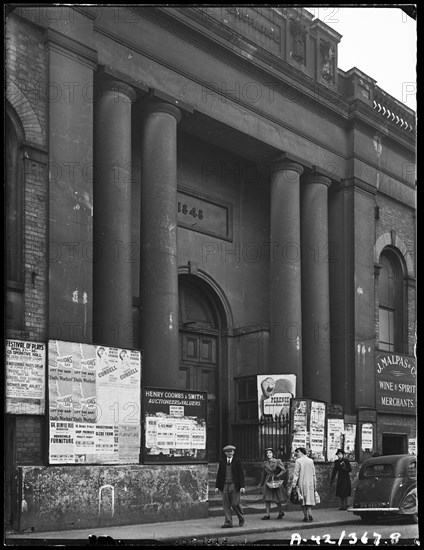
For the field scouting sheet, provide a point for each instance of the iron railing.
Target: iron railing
(252, 438)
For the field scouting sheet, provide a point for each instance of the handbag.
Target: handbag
(317, 498)
(274, 483)
(295, 496)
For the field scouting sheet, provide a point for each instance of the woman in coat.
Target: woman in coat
(343, 486)
(273, 468)
(304, 477)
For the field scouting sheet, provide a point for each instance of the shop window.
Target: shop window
(391, 304)
(247, 399)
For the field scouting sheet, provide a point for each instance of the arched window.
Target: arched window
(14, 221)
(391, 303)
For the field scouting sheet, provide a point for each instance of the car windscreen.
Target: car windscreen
(379, 470)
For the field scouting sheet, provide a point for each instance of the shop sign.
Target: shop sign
(395, 383)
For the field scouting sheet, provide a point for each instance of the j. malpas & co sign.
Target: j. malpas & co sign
(396, 389)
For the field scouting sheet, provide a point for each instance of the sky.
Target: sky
(381, 42)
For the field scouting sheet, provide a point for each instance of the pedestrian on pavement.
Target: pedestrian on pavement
(304, 477)
(343, 486)
(230, 481)
(273, 469)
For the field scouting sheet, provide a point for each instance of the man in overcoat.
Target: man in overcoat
(230, 481)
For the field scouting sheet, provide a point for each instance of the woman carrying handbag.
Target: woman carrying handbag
(273, 471)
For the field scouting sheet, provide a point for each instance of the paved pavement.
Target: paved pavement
(191, 531)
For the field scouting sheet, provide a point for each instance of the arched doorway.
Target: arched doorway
(201, 351)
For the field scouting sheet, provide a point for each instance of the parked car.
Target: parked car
(386, 486)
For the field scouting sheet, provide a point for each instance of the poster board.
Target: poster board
(412, 445)
(317, 430)
(335, 436)
(307, 418)
(94, 404)
(175, 424)
(366, 433)
(350, 440)
(25, 377)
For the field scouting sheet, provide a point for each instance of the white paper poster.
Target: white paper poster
(367, 437)
(349, 440)
(335, 430)
(61, 447)
(25, 374)
(274, 394)
(84, 384)
(61, 380)
(85, 447)
(412, 445)
(129, 444)
(105, 443)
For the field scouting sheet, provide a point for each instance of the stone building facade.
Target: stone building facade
(205, 185)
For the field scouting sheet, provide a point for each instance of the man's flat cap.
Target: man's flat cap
(229, 448)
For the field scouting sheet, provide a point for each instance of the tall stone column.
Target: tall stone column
(315, 287)
(112, 287)
(158, 261)
(285, 273)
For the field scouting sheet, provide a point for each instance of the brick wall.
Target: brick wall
(29, 430)
(398, 221)
(401, 424)
(26, 81)
(26, 78)
(35, 249)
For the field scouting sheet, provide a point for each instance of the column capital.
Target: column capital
(156, 106)
(316, 177)
(287, 165)
(116, 86)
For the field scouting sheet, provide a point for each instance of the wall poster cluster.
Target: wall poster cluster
(94, 404)
(308, 426)
(175, 426)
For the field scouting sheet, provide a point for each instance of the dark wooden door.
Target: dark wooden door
(198, 371)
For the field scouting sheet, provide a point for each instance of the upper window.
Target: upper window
(246, 398)
(391, 318)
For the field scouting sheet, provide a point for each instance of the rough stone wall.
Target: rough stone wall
(67, 497)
